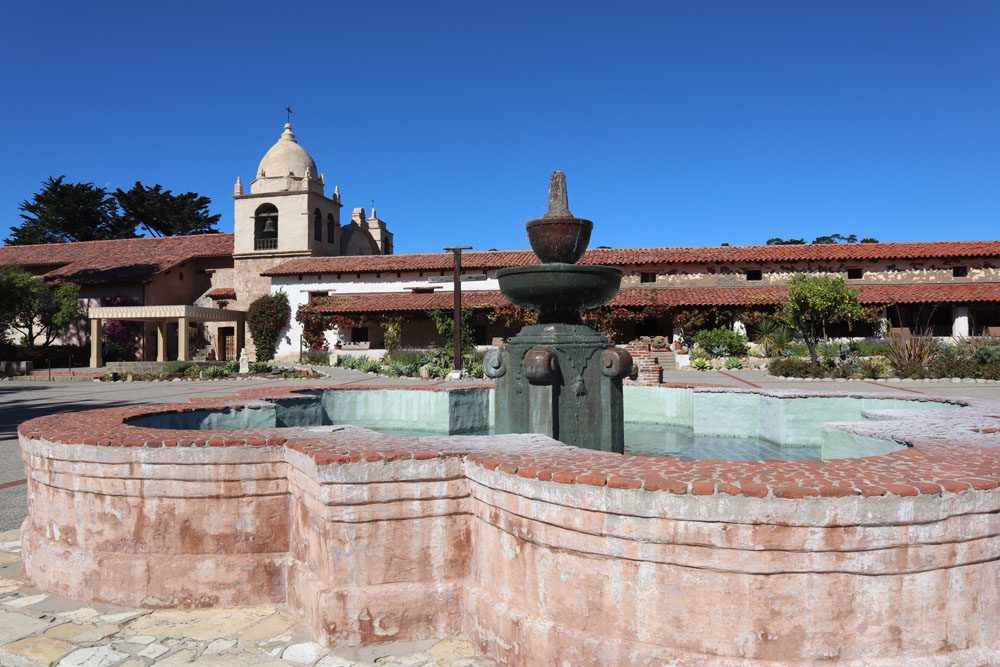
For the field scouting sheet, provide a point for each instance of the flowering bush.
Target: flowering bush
(267, 317)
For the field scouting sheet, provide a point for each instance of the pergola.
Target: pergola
(161, 315)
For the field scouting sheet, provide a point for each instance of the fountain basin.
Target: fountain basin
(537, 551)
(559, 239)
(560, 290)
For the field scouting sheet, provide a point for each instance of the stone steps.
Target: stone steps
(666, 360)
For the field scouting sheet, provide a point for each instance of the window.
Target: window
(359, 334)
(318, 225)
(330, 228)
(855, 274)
(647, 277)
(265, 227)
(180, 275)
(755, 274)
(960, 272)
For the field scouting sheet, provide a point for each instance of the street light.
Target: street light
(457, 250)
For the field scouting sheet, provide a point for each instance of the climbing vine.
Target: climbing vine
(267, 317)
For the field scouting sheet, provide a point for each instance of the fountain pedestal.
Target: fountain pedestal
(560, 377)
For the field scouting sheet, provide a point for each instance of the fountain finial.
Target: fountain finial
(558, 197)
(559, 236)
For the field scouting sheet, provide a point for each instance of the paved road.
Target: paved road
(20, 401)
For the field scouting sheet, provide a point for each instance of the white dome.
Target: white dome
(287, 158)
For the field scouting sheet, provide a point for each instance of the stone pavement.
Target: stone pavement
(40, 630)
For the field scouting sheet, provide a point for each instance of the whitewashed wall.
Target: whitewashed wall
(298, 295)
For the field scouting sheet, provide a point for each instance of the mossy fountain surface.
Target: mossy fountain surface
(560, 377)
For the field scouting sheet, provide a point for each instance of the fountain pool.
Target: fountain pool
(659, 421)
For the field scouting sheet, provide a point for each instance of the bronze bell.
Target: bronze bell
(270, 227)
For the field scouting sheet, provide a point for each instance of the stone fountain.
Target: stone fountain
(560, 377)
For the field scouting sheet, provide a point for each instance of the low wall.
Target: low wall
(541, 553)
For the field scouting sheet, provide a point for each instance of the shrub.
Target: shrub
(267, 317)
(415, 357)
(216, 372)
(845, 370)
(172, 367)
(393, 332)
(473, 364)
(232, 366)
(698, 353)
(722, 341)
(367, 365)
(733, 363)
(701, 365)
(873, 368)
(260, 367)
(988, 354)
(794, 367)
(316, 358)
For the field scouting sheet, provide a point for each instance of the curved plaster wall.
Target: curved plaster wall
(537, 551)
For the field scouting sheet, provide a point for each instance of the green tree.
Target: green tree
(34, 308)
(777, 240)
(267, 318)
(162, 213)
(64, 212)
(816, 302)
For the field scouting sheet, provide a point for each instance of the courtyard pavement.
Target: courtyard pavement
(41, 630)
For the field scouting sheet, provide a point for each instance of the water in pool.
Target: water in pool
(680, 442)
(668, 422)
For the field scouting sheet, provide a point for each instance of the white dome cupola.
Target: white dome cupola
(286, 166)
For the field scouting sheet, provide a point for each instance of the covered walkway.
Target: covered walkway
(162, 315)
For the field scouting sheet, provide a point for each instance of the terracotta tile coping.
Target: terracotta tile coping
(941, 461)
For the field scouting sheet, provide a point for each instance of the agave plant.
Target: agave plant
(909, 355)
(773, 337)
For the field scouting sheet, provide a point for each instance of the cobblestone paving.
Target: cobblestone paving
(41, 630)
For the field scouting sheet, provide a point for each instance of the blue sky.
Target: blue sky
(677, 123)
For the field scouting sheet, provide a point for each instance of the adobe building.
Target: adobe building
(205, 283)
(289, 236)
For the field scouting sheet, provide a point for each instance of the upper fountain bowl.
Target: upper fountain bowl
(559, 239)
(560, 290)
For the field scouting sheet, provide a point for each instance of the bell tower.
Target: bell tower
(286, 213)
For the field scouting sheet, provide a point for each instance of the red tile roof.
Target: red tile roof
(752, 255)
(222, 293)
(117, 261)
(672, 296)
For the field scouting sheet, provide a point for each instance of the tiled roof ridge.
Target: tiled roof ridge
(133, 239)
(812, 252)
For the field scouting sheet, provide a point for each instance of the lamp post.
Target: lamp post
(457, 250)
